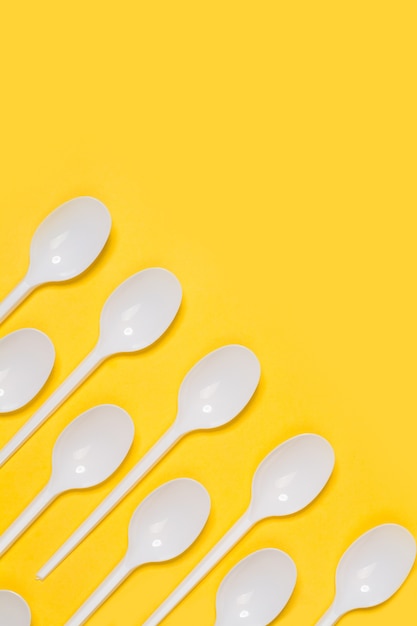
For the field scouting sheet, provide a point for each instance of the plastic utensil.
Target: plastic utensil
(63, 246)
(256, 590)
(134, 316)
(14, 610)
(163, 526)
(371, 570)
(213, 392)
(26, 360)
(286, 481)
(87, 452)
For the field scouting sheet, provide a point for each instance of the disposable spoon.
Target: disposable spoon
(214, 391)
(14, 610)
(256, 590)
(26, 360)
(164, 525)
(135, 315)
(67, 242)
(286, 481)
(371, 570)
(87, 452)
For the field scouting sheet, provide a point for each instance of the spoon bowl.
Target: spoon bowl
(217, 388)
(87, 452)
(163, 526)
(371, 570)
(64, 245)
(168, 521)
(14, 610)
(92, 447)
(256, 590)
(26, 360)
(139, 311)
(68, 240)
(291, 476)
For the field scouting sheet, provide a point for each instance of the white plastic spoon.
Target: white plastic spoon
(87, 452)
(164, 525)
(14, 610)
(256, 590)
(64, 245)
(26, 360)
(214, 391)
(135, 315)
(371, 570)
(286, 481)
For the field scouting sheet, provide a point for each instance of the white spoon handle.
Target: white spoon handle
(329, 618)
(211, 559)
(14, 298)
(75, 379)
(25, 519)
(165, 443)
(110, 584)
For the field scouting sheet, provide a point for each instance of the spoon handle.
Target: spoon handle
(226, 543)
(329, 618)
(165, 443)
(14, 298)
(25, 519)
(75, 379)
(109, 584)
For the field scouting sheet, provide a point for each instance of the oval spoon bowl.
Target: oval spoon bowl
(256, 590)
(63, 246)
(68, 240)
(27, 357)
(14, 610)
(371, 570)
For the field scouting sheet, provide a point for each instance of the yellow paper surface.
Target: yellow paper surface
(264, 153)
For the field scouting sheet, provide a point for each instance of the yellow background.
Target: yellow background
(265, 153)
